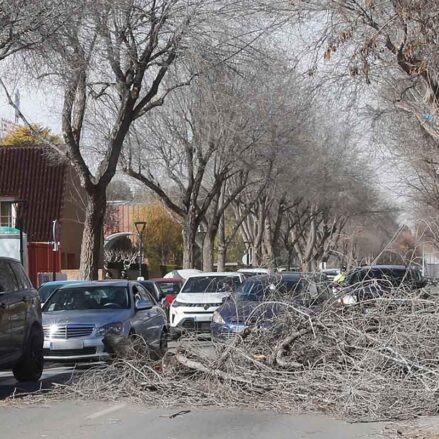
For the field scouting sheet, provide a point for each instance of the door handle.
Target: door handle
(3, 305)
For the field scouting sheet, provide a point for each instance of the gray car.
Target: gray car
(76, 318)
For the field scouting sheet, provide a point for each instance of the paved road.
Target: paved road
(95, 420)
(53, 373)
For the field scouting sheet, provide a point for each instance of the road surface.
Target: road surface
(95, 420)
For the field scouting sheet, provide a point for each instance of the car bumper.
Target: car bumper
(74, 349)
(189, 319)
(226, 331)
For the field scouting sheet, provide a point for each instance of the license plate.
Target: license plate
(238, 328)
(69, 344)
(204, 318)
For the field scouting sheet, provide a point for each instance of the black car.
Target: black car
(369, 282)
(260, 299)
(21, 331)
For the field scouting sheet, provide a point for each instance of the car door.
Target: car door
(150, 321)
(8, 284)
(20, 304)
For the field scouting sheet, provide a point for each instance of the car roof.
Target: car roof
(215, 274)
(383, 267)
(99, 283)
(167, 279)
(254, 270)
(7, 258)
(62, 282)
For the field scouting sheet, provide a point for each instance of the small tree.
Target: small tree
(28, 136)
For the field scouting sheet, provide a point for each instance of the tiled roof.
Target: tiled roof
(27, 174)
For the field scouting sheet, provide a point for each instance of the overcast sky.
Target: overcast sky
(37, 105)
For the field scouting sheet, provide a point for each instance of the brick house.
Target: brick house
(36, 188)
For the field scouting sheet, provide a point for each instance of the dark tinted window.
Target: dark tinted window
(45, 291)
(8, 280)
(144, 293)
(23, 281)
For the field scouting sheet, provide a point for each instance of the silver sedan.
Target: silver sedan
(78, 318)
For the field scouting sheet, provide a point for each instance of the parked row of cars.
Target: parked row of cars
(77, 317)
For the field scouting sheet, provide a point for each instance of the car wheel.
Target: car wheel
(158, 354)
(30, 367)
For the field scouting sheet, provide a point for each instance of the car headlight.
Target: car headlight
(176, 304)
(217, 318)
(115, 327)
(348, 299)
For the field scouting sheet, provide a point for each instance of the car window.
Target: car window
(88, 298)
(8, 280)
(169, 287)
(45, 291)
(144, 293)
(23, 281)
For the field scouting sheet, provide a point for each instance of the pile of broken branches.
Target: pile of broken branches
(376, 360)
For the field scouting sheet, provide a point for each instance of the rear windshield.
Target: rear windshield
(169, 287)
(304, 290)
(211, 284)
(88, 298)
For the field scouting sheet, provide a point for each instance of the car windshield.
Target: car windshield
(45, 291)
(87, 298)
(211, 284)
(169, 287)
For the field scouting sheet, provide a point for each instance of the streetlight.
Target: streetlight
(140, 227)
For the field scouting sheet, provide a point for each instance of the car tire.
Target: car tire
(158, 354)
(30, 367)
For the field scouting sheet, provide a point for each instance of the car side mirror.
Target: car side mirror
(142, 304)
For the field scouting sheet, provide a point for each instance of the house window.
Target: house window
(7, 213)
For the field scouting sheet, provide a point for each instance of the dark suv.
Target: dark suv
(21, 332)
(370, 282)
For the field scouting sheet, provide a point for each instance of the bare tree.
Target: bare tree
(25, 24)
(111, 59)
(200, 150)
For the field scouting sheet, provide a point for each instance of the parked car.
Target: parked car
(76, 319)
(258, 302)
(169, 287)
(48, 288)
(21, 332)
(199, 297)
(369, 282)
(182, 274)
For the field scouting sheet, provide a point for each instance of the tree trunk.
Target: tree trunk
(208, 246)
(188, 246)
(222, 246)
(92, 235)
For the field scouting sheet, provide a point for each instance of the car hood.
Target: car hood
(201, 297)
(240, 311)
(93, 317)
